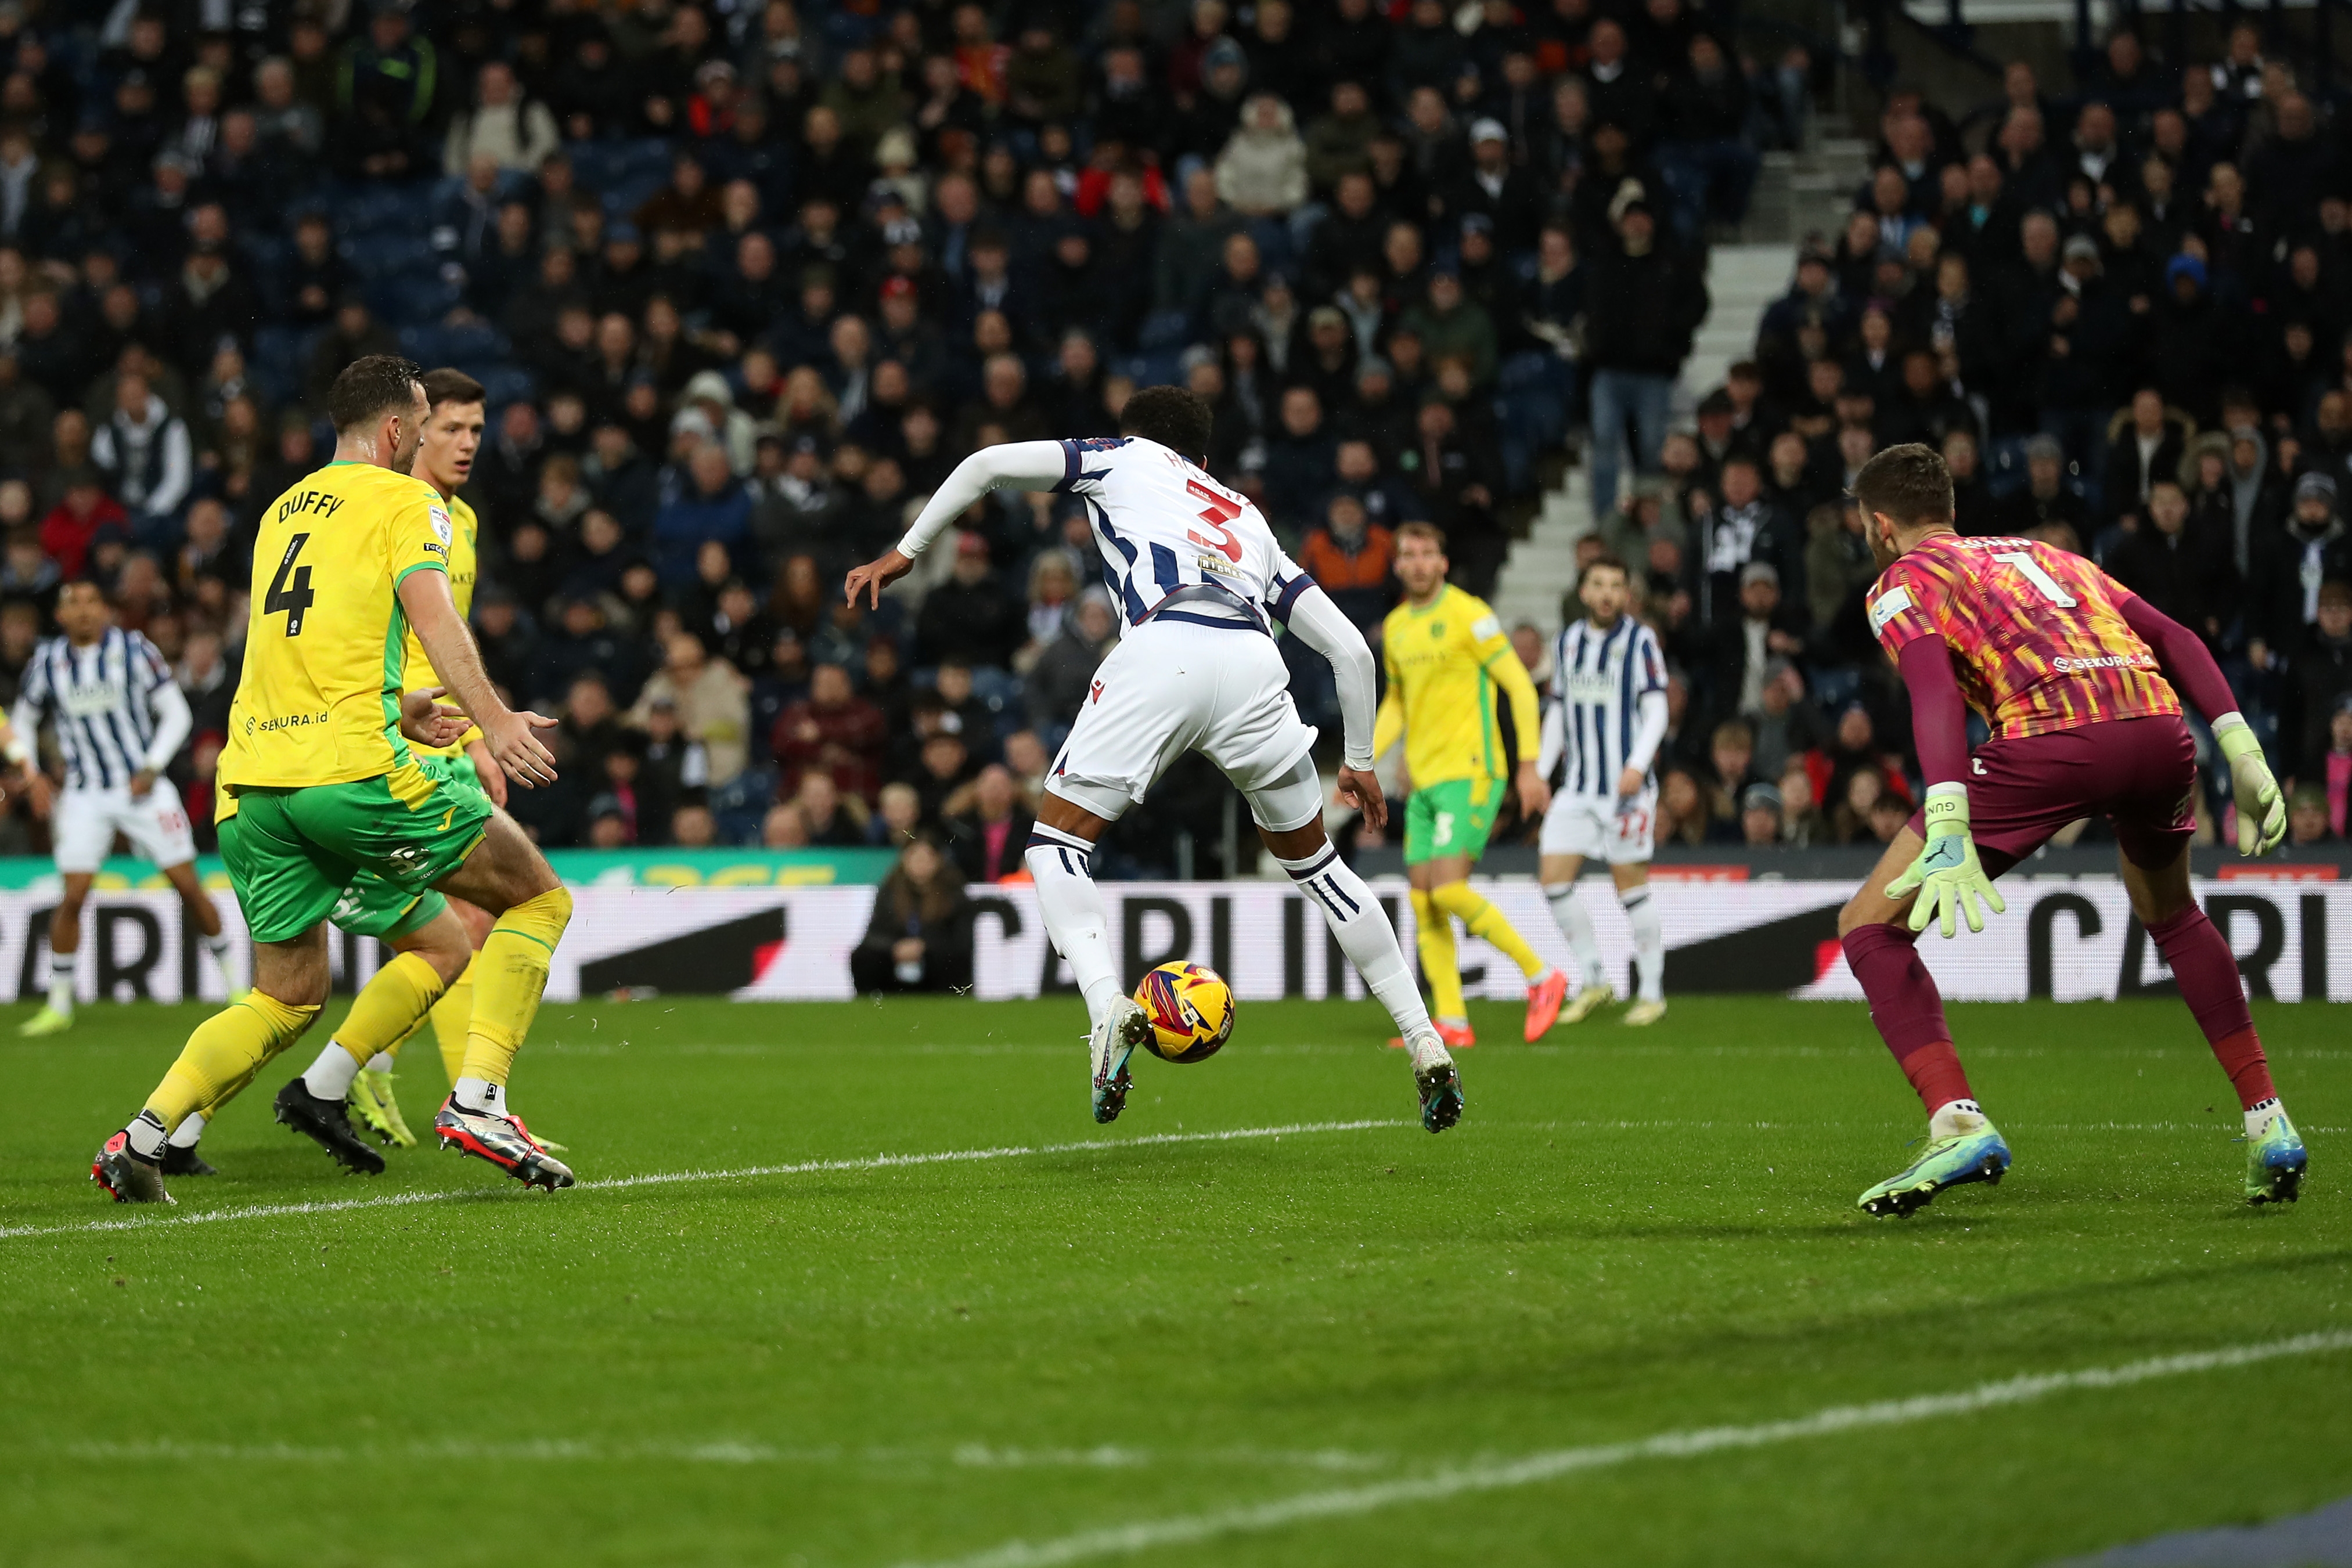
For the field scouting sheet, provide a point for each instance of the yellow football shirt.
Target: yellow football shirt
(1446, 663)
(319, 702)
(465, 546)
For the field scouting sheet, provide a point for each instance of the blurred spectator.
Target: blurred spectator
(834, 732)
(85, 511)
(989, 833)
(920, 939)
(1760, 823)
(2307, 816)
(1644, 302)
(713, 508)
(1059, 681)
(142, 448)
(828, 819)
(711, 700)
(2312, 709)
(2183, 571)
(1350, 559)
(970, 616)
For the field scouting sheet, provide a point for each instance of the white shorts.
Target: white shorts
(86, 822)
(1173, 686)
(1614, 832)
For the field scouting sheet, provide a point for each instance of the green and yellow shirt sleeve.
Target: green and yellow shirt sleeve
(1501, 662)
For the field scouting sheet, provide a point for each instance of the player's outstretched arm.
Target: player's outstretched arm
(425, 598)
(1319, 623)
(1533, 784)
(2188, 665)
(168, 705)
(1947, 877)
(1011, 465)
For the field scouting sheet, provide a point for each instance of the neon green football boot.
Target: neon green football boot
(2275, 1163)
(376, 1108)
(1975, 1155)
(48, 1020)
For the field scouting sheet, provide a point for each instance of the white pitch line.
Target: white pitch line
(1120, 1541)
(667, 1178)
(734, 1452)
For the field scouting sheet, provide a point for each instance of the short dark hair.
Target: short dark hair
(1603, 558)
(369, 385)
(1176, 417)
(1907, 483)
(445, 386)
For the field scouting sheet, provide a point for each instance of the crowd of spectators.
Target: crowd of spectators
(745, 279)
(2118, 309)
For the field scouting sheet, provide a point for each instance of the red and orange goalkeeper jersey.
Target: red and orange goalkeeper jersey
(2038, 639)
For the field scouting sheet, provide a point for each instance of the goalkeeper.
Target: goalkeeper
(2076, 677)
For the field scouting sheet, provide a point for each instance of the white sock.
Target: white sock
(1649, 942)
(2257, 1117)
(381, 1061)
(1576, 925)
(1954, 1117)
(146, 1135)
(187, 1133)
(61, 982)
(218, 945)
(330, 1077)
(1073, 908)
(1365, 935)
(479, 1095)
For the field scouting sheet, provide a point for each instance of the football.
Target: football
(1190, 1008)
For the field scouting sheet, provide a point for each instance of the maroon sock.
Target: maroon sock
(1908, 1011)
(2207, 977)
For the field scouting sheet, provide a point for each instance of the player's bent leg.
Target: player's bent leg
(1060, 861)
(206, 915)
(2207, 973)
(1289, 817)
(1634, 896)
(225, 1053)
(1433, 931)
(356, 1065)
(56, 1014)
(504, 872)
(1546, 988)
(1881, 949)
(1558, 873)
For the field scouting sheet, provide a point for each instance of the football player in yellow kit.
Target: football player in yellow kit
(324, 786)
(1447, 661)
(453, 422)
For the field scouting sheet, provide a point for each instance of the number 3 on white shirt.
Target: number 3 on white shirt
(2031, 570)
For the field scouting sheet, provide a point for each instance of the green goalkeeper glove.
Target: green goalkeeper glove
(2262, 810)
(1948, 875)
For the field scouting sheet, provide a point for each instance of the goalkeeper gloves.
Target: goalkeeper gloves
(2262, 810)
(1947, 877)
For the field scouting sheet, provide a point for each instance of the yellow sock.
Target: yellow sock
(1483, 921)
(509, 973)
(389, 1007)
(453, 1015)
(1433, 931)
(225, 1053)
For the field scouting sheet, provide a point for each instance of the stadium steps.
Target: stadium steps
(1742, 280)
(1798, 193)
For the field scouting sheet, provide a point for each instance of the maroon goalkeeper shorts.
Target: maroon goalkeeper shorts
(2140, 773)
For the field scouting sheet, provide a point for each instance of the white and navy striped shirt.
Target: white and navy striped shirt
(1163, 525)
(113, 705)
(1598, 678)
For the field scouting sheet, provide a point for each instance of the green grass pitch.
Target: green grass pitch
(857, 1364)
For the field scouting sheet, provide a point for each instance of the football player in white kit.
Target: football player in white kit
(1606, 720)
(119, 720)
(1200, 582)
